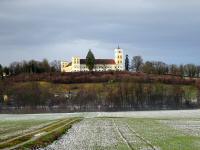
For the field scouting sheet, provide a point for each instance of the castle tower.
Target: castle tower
(119, 59)
(75, 64)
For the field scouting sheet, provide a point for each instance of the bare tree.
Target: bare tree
(190, 70)
(137, 63)
(148, 67)
(55, 65)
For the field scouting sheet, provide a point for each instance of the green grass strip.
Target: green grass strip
(6, 140)
(49, 137)
(26, 137)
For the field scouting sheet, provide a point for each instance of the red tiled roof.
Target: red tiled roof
(100, 61)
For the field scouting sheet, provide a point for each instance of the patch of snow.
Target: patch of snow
(134, 114)
(87, 134)
(98, 133)
(39, 134)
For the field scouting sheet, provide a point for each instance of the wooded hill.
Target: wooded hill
(97, 91)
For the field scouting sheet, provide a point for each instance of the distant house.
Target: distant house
(78, 65)
(5, 98)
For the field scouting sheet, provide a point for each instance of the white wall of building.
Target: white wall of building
(63, 66)
(77, 67)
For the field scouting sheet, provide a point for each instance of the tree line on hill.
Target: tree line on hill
(135, 96)
(137, 64)
(30, 67)
(158, 67)
(33, 66)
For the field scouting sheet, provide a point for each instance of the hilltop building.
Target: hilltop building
(78, 65)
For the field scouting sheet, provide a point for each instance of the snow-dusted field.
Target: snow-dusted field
(148, 114)
(100, 133)
(134, 114)
(87, 135)
(190, 127)
(139, 130)
(48, 116)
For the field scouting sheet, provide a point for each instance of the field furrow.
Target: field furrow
(122, 136)
(134, 140)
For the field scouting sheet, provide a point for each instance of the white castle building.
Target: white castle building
(78, 65)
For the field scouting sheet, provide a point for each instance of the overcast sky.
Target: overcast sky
(166, 30)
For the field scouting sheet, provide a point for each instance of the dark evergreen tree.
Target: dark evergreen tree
(6, 71)
(127, 63)
(1, 71)
(182, 71)
(90, 60)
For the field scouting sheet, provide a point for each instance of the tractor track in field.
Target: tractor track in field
(34, 135)
(35, 138)
(142, 138)
(31, 132)
(101, 133)
(88, 134)
(122, 136)
(133, 134)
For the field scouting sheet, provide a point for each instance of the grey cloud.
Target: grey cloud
(156, 29)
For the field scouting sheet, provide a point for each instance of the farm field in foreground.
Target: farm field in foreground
(13, 128)
(131, 133)
(14, 125)
(154, 130)
(32, 133)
